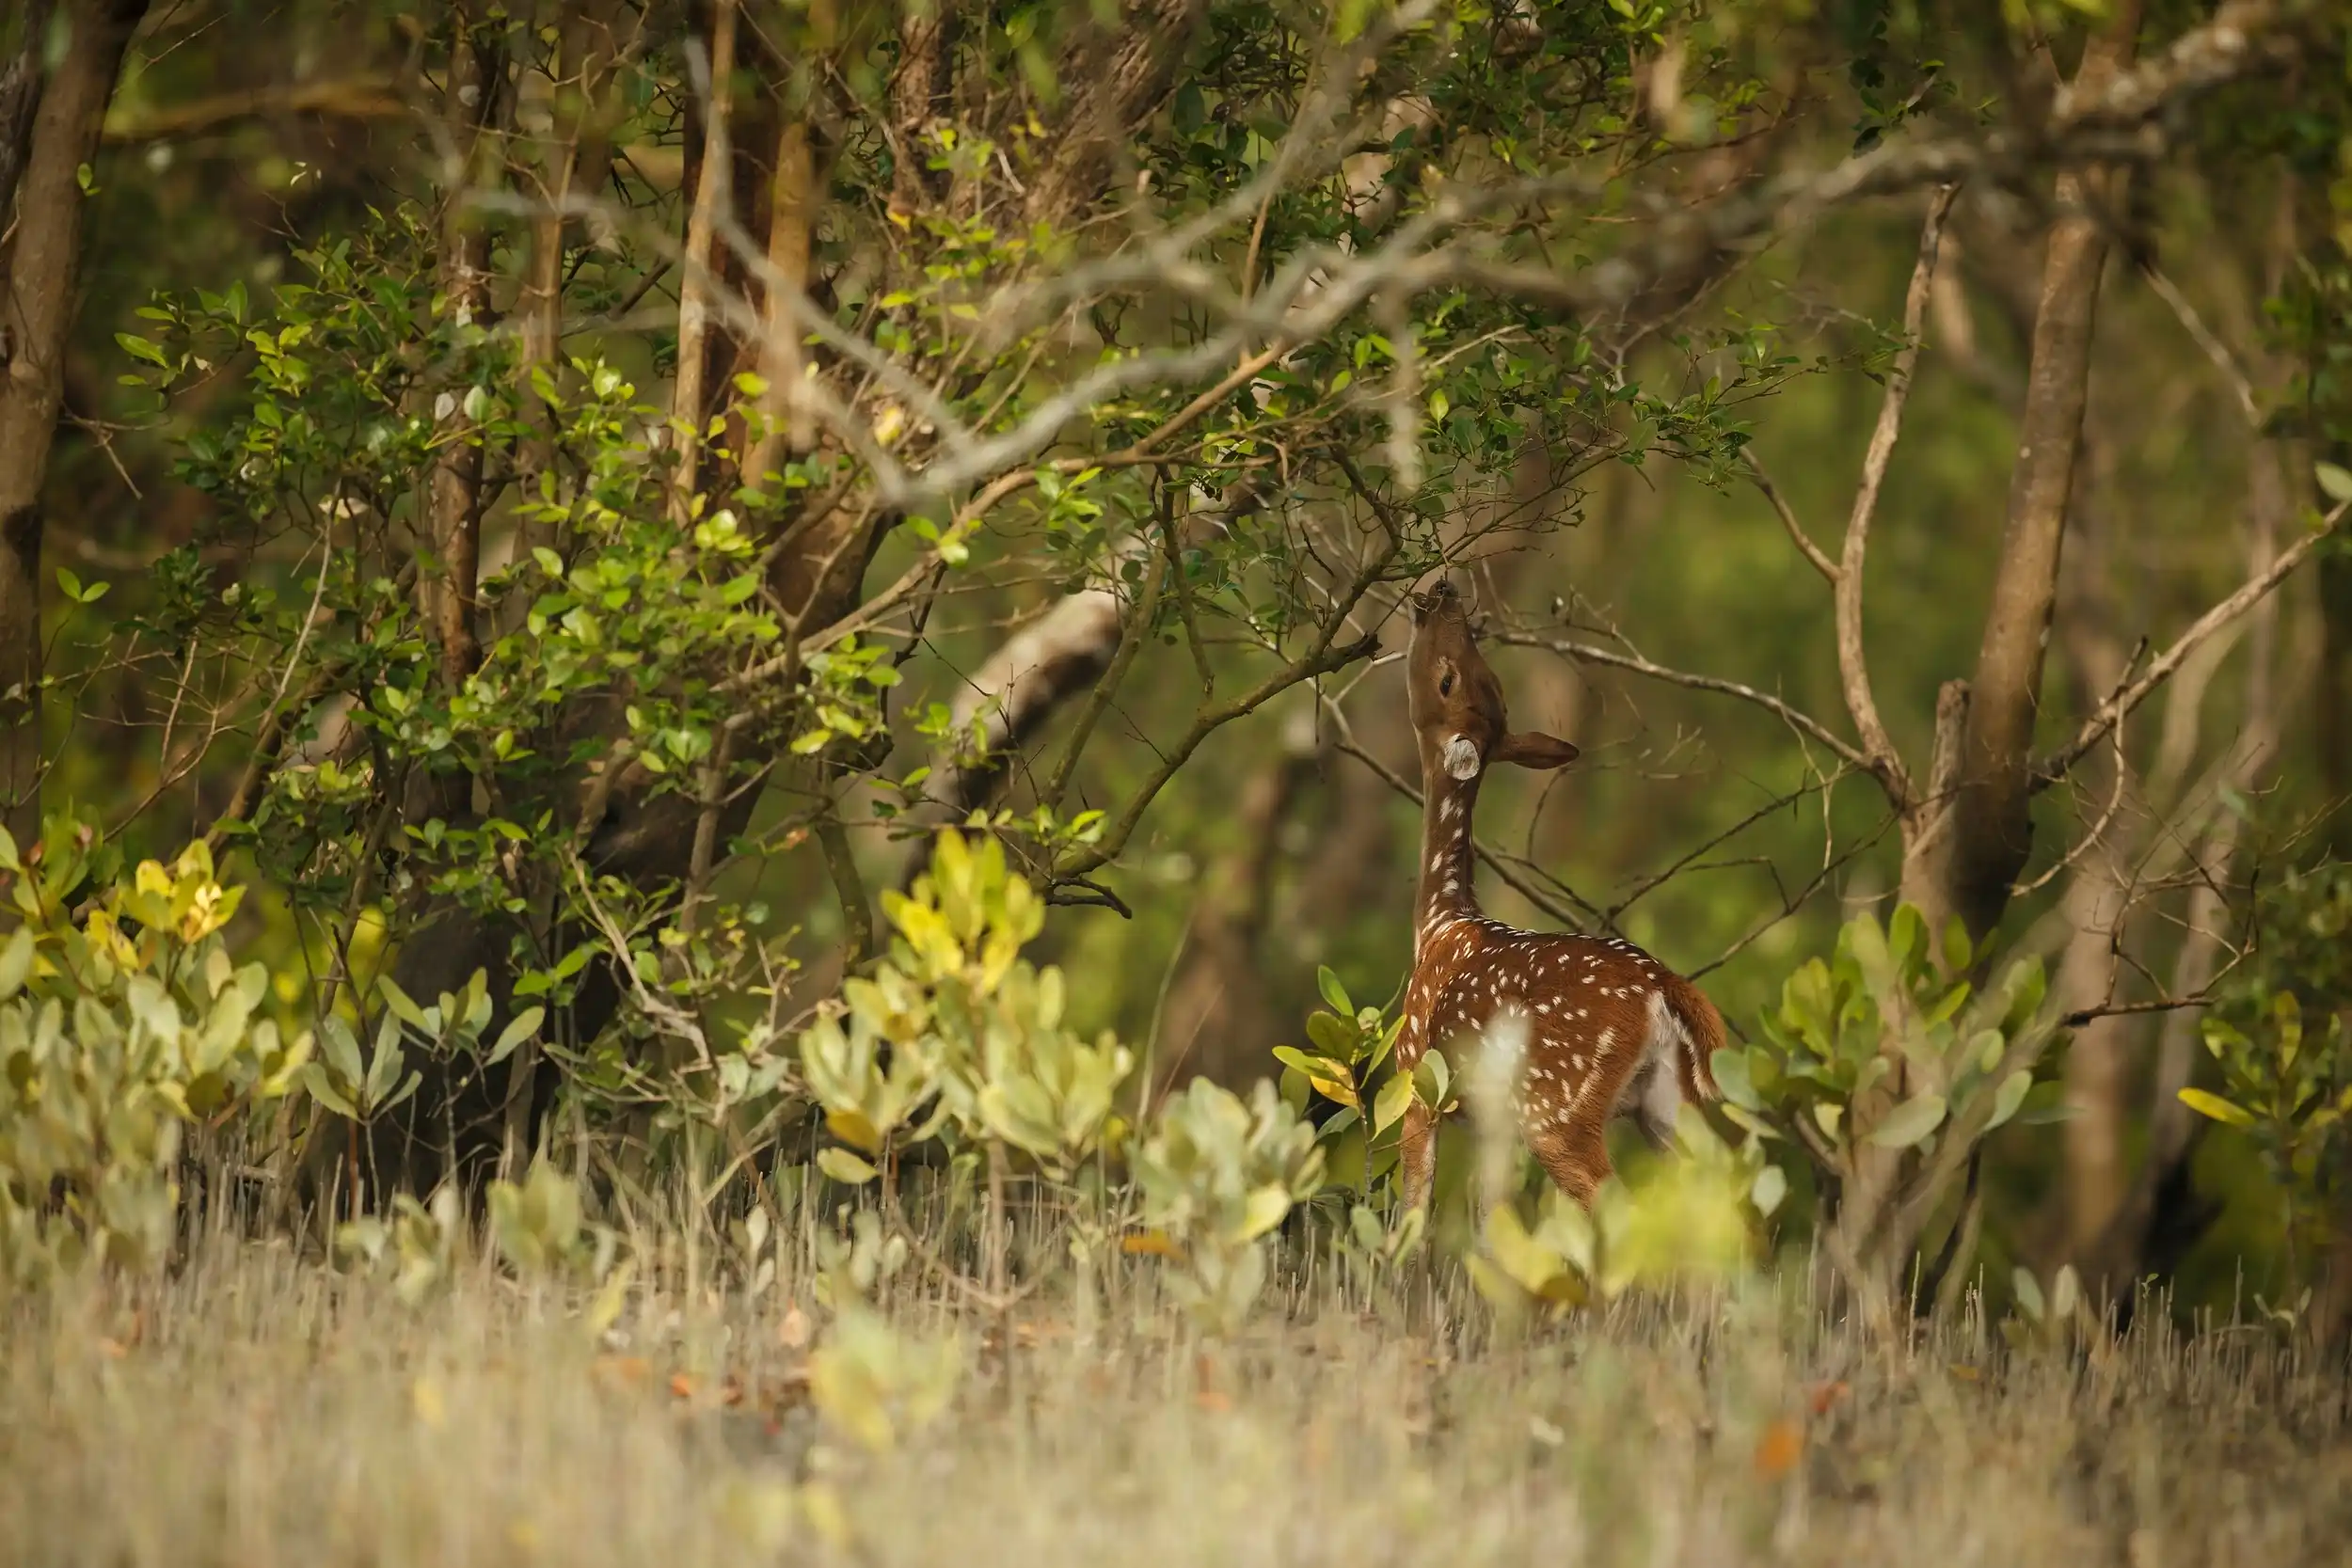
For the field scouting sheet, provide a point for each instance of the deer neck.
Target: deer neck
(1448, 889)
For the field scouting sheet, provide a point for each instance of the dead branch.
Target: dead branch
(1592, 654)
(1853, 665)
(2115, 708)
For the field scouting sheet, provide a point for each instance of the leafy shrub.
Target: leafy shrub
(956, 1034)
(1692, 1217)
(1216, 1177)
(1352, 1067)
(2278, 1033)
(1886, 1070)
(122, 1019)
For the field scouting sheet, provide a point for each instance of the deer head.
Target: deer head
(1456, 702)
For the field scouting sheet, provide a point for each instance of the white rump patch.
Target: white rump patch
(1660, 1075)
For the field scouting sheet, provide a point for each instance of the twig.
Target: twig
(1852, 658)
(1590, 653)
(1804, 540)
(2115, 708)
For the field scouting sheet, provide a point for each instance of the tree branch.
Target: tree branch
(2119, 706)
(1853, 665)
(356, 98)
(1590, 654)
(1804, 540)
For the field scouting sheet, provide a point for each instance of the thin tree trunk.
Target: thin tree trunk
(1990, 832)
(477, 94)
(570, 162)
(1216, 1022)
(37, 308)
(697, 282)
(2098, 894)
(19, 99)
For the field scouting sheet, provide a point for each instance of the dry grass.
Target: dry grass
(256, 1411)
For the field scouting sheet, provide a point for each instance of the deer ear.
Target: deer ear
(1533, 749)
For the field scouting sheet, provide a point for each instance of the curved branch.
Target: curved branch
(1853, 666)
(2119, 706)
(1804, 540)
(1796, 719)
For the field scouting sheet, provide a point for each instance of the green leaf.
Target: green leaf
(1957, 949)
(2212, 1105)
(525, 1024)
(323, 1091)
(1390, 1103)
(1909, 1122)
(2011, 1094)
(1333, 992)
(1730, 1068)
(403, 1006)
(2334, 481)
(1263, 1210)
(140, 348)
(16, 961)
(1772, 1186)
(846, 1167)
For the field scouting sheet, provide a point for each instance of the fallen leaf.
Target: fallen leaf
(1149, 1243)
(1778, 1449)
(792, 1332)
(1966, 1373)
(621, 1371)
(1826, 1395)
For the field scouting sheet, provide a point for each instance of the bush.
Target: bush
(2277, 1031)
(122, 1019)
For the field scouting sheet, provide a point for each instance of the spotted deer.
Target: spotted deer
(1610, 1032)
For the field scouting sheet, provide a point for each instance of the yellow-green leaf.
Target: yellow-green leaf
(2221, 1110)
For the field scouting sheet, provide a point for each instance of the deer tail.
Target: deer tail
(1701, 1037)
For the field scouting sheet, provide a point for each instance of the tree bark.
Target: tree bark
(1215, 1024)
(2097, 900)
(37, 306)
(19, 98)
(477, 95)
(1985, 842)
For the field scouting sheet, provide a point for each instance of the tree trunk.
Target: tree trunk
(37, 306)
(1216, 1024)
(1985, 842)
(2099, 893)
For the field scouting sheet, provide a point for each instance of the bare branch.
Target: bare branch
(1804, 540)
(2115, 708)
(1853, 666)
(356, 98)
(2241, 385)
(1795, 717)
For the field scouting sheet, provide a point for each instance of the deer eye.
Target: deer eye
(1445, 686)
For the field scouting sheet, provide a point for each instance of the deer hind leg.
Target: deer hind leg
(1575, 1156)
(1655, 1100)
(1417, 1151)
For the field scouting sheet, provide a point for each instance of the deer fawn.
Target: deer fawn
(1611, 1031)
